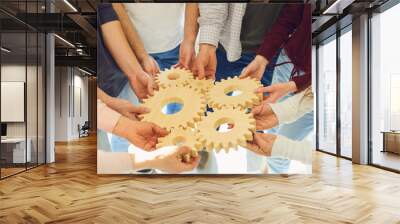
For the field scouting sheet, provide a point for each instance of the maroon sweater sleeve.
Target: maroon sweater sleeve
(287, 22)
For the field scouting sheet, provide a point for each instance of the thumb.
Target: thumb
(258, 140)
(272, 98)
(245, 73)
(265, 89)
(184, 150)
(159, 130)
(257, 109)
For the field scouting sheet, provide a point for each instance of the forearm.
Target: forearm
(131, 34)
(123, 162)
(104, 97)
(107, 118)
(119, 48)
(191, 26)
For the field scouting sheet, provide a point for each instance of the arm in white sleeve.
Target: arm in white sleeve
(293, 150)
(211, 21)
(294, 107)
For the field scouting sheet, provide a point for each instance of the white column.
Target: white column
(360, 90)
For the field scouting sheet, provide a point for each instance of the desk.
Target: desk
(13, 150)
(391, 141)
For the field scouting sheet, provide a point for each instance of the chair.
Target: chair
(84, 130)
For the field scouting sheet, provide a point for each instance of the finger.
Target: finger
(212, 68)
(157, 68)
(186, 63)
(149, 146)
(200, 71)
(150, 87)
(252, 146)
(139, 109)
(259, 140)
(271, 99)
(178, 65)
(265, 89)
(196, 160)
(245, 73)
(131, 116)
(159, 130)
(184, 150)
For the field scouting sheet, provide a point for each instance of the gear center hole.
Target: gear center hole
(172, 106)
(173, 76)
(233, 91)
(179, 141)
(224, 125)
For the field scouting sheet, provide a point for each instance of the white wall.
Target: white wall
(70, 83)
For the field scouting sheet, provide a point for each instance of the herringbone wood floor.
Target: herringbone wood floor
(70, 191)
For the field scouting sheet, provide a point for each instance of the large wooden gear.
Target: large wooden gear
(193, 107)
(217, 96)
(202, 85)
(243, 125)
(174, 77)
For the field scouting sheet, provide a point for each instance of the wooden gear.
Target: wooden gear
(201, 85)
(217, 96)
(174, 77)
(182, 137)
(243, 126)
(193, 107)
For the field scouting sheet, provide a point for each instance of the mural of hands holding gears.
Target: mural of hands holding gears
(200, 88)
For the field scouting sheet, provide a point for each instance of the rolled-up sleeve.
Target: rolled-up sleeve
(211, 21)
(294, 107)
(106, 13)
(293, 150)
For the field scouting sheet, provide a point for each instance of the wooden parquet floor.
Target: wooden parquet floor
(70, 191)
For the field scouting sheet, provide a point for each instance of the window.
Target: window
(385, 89)
(327, 96)
(346, 93)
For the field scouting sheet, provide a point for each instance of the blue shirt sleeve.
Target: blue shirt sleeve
(106, 13)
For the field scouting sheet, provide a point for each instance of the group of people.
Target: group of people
(269, 42)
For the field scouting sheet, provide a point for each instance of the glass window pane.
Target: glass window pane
(31, 97)
(385, 86)
(327, 96)
(346, 94)
(13, 87)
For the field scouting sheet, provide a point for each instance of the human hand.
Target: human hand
(205, 64)
(186, 55)
(171, 159)
(143, 84)
(140, 133)
(262, 143)
(126, 108)
(150, 65)
(277, 91)
(255, 69)
(264, 116)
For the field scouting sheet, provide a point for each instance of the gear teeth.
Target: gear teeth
(242, 142)
(226, 140)
(218, 99)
